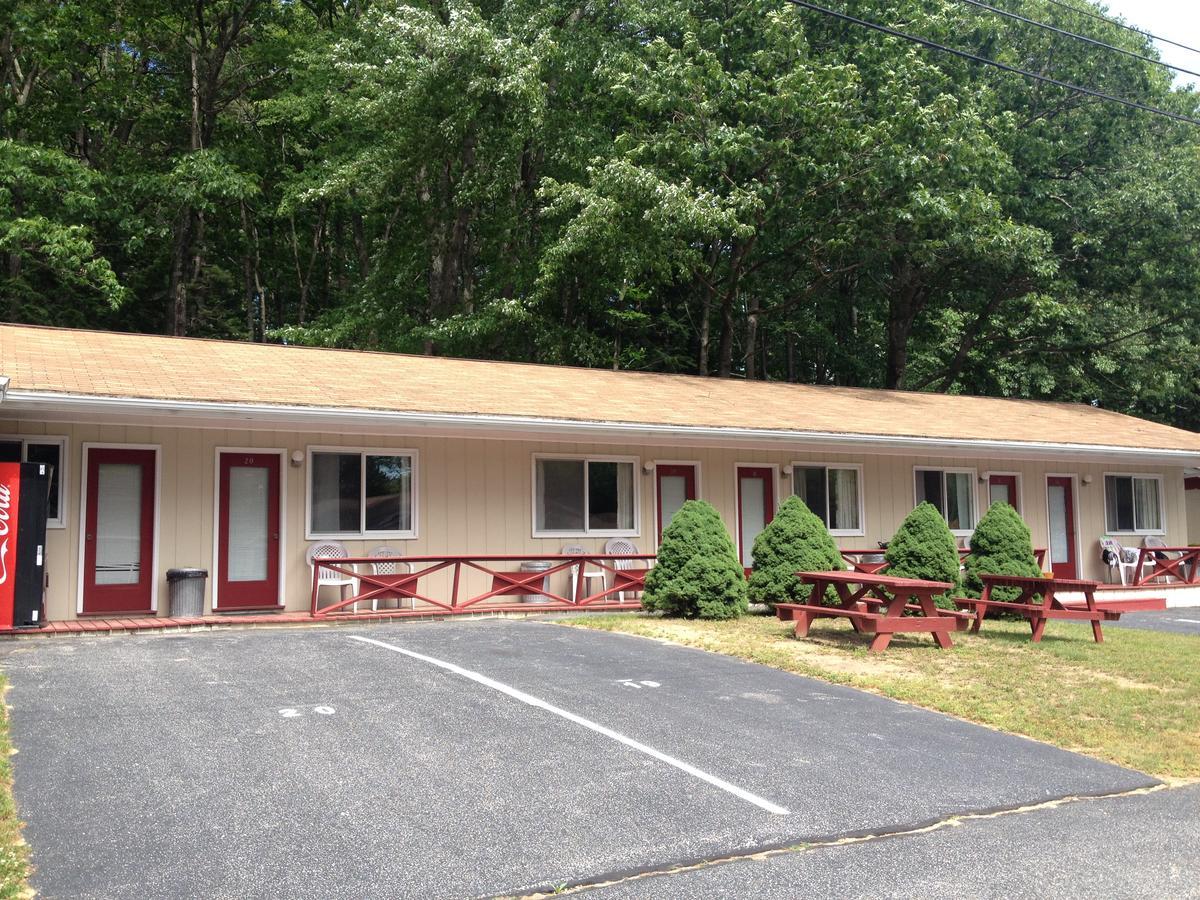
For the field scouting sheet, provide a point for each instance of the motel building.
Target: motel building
(241, 458)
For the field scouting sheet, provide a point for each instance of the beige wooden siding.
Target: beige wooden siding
(475, 496)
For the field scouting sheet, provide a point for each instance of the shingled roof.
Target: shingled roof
(101, 364)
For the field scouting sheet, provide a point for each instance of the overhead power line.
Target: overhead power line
(1080, 37)
(1143, 32)
(983, 60)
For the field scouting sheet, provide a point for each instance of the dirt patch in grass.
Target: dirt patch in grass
(1133, 700)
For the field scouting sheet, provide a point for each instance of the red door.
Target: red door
(1003, 489)
(118, 549)
(756, 507)
(674, 485)
(1060, 504)
(248, 531)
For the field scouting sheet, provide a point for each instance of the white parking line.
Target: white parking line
(586, 723)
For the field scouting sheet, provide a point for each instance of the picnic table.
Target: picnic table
(876, 604)
(1038, 601)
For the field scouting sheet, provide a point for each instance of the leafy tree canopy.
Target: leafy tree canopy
(751, 190)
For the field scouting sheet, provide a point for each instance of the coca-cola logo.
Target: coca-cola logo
(5, 504)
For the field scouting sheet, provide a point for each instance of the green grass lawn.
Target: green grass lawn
(1133, 700)
(14, 853)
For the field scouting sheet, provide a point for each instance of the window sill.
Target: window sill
(584, 535)
(363, 536)
(837, 532)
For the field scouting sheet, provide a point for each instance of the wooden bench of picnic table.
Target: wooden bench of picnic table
(877, 606)
(1038, 602)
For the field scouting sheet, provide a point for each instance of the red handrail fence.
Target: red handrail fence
(625, 574)
(1183, 567)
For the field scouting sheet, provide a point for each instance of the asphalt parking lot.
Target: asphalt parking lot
(1183, 620)
(466, 759)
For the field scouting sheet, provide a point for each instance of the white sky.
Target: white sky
(1178, 20)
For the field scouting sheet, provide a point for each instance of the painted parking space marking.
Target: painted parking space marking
(530, 700)
(291, 712)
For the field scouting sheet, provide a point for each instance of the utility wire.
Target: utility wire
(1081, 37)
(1134, 29)
(963, 54)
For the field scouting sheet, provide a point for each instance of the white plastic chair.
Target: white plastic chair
(327, 577)
(1123, 559)
(577, 550)
(621, 546)
(389, 564)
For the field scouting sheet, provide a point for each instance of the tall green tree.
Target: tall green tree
(743, 190)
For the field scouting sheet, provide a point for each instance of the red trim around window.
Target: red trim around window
(1009, 481)
(686, 471)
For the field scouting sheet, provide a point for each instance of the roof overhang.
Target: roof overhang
(59, 407)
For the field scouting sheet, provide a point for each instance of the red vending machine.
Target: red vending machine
(24, 492)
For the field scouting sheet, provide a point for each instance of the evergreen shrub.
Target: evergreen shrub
(698, 574)
(795, 541)
(1001, 545)
(923, 547)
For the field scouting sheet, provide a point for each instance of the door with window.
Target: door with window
(755, 507)
(1060, 506)
(118, 548)
(1003, 489)
(247, 531)
(675, 484)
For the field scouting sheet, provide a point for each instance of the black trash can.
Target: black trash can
(185, 591)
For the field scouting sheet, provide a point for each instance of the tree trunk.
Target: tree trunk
(705, 315)
(247, 273)
(751, 347)
(177, 279)
(903, 306)
(725, 347)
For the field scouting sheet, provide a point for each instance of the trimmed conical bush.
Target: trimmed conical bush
(795, 541)
(923, 547)
(697, 574)
(1001, 545)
